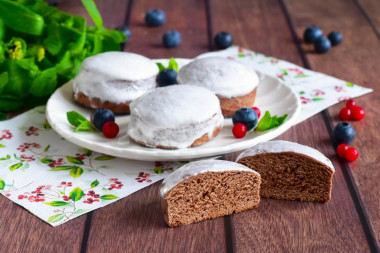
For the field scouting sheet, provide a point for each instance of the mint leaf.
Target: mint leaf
(161, 66)
(94, 12)
(173, 64)
(79, 121)
(269, 122)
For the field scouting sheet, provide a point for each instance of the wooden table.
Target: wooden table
(350, 222)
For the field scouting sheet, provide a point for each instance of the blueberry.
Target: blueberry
(223, 40)
(247, 116)
(312, 33)
(322, 45)
(343, 133)
(155, 17)
(335, 38)
(100, 117)
(167, 77)
(124, 29)
(171, 38)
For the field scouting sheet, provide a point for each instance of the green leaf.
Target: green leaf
(3, 80)
(45, 83)
(80, 211)
(76, 172)
(47, 147)
(87, 152)
(348, 84)
(301, 76)
(47, 160)
(94, 12)
(2, 184)
(75, 118)
(104, 158)
(84, 126)
(15, 166)
(55, 218)
(75, 160)
(269, 122)
(8, 156)
(173, 64)
(317, 99)
(53, 42)
(158, 170)
(108, 197)
(95, 183)
(2, 146)
(57, 203)
(76, 194)
(61, 168)
(161, 66)
(20, 18)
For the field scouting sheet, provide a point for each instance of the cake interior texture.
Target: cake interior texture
(291, 176)
(209, 195)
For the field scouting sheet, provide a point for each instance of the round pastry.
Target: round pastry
(208, 189)
(290, 171)
(112, 80)
(177, 116)
(233, 83)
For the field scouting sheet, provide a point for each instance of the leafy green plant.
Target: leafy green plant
(42, 48)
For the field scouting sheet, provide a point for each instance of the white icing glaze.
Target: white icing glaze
(198, 167)
(278, 146)
(174, 116)
(226, 78)
(117, 77)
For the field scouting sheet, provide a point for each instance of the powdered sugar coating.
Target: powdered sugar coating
(278, 146)
(117, 77)
(174, 116)
(198, 167)
(226, 78)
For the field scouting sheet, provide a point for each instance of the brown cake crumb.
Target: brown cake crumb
(209, 195)
(291, 176)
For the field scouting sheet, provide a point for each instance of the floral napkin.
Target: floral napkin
(58, 181)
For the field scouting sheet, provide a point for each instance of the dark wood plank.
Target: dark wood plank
(187, 17)
(278, 226)
(136, 223)
(371, 9)
(21, 231)
(356, 60)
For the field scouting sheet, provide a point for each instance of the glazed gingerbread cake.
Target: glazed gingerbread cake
(290, 171)
(208, 189)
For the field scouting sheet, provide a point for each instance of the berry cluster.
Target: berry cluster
(27, 158)
(64, 184)
(143, 177)
(104, 120)
(314, 34)
(162, 165)
(6, 134)
(32, 131)
(116, 184)
(93, 197)
(56, 163)
(347, 152)
(38, 197)
(351, 111)
(26, 146)
(80, 156)
(245, 119)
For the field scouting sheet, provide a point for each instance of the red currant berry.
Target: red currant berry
(110, 129)
(345, 113)
(342, 150)
(350, 103)
(257, 110)
(357, 113)
(239, 130)
(352, 154)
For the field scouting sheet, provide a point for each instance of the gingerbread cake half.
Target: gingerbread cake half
(290, 171)
(208, 189)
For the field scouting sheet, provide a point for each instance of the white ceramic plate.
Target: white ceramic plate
(272, 95)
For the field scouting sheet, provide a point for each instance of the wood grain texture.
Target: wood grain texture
(289, 226)
(136, 223)
(21, 231)
(187, 17)
(371, 9)
(355, 60)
